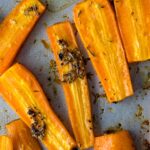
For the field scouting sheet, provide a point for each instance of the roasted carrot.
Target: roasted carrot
(5, 143)
(99, 33)
(22, 92)
(121, 140)
(134, 21)
(15, 28)
(73, 78)
(21, 136)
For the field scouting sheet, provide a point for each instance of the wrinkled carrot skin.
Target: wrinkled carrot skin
(15, 28)
(76, 93)
(21, 91)
(21, 136)
(99, 33)
(121, 140)
(5, 143)
(134, 21)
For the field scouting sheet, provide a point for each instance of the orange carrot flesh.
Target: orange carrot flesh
(15, 28)
(117, 141)
(5, 143)
(21, 136)
(76, 92)
(134, 21)
(99, 33)
(22, 92)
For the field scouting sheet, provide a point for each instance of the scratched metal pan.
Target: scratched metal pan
(131, 114)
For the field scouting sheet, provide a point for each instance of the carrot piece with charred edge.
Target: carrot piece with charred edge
(21, 136)
(15, 28)
(72, 74)
(112, 141)
(134, 21)
(99, 33)
(5, 143)
(22, 92)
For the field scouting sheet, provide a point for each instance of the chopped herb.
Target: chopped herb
(102, 110)
(38, 125)
(45, 24)
(115, 102)
(30, 9)
(146, 144)
(97, 96)
(86, 60)
(63, 43)
(73, 58)
(147, 82)
(114, 129)
(139, 111)
(110, 109)
(35, 41)
(137, 70)
(146, 122)
(45, 44)
(49, 79)
(55, 90)
(89, 75)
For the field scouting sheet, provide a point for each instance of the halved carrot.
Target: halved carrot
(21, 136)
(134, 22)
(15, 28)
(22, 92)
(5, 143)
(72, 74)
(97, 27)
(121, 140)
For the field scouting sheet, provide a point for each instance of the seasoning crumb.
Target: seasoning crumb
(146, 144)
(30, 9)
(73, 58)
(139, 111)
(97, 96)
(86, 60)
(55, 90)
(65, 17)
(38, 126)
(45, 44)
(89, 75)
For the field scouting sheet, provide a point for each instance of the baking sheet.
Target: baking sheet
(131, 114)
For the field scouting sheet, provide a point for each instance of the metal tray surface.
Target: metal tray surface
(129, 114)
